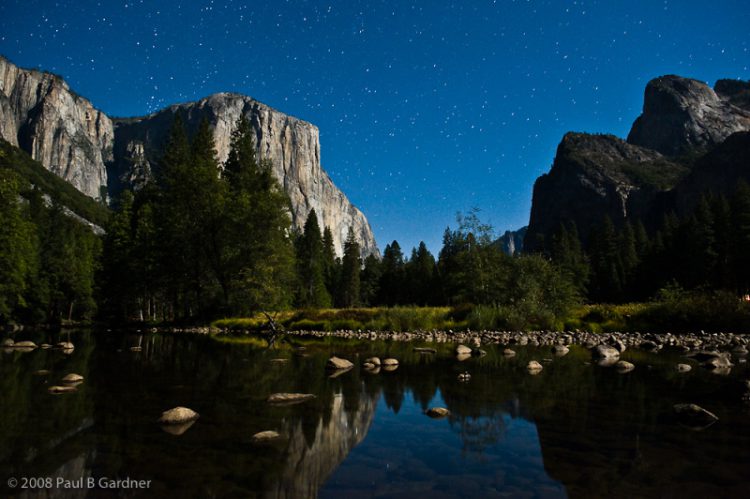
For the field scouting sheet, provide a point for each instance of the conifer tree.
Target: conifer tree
(392, 278)
(350, 269)
(17, 248)
(312, 292)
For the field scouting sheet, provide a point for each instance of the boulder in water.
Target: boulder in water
(178, 415)
(61, 389)
(463, 350)
(534, 367)
(72, 378)
(437, 412)
(289, 398)
(338, 363)
(265, 436)
(624, 366)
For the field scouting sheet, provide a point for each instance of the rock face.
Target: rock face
(291, 144)
(681, 115)
(689, 139)
(511, 242)
(63, 131)
(593, 176)
(100, 156)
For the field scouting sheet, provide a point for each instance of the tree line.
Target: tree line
(704, 250)
(48, 260)
(205, 240)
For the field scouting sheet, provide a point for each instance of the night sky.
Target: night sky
(424, 108)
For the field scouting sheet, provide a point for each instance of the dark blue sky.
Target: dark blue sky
(424, 108)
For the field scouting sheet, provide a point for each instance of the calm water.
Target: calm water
(575, 430)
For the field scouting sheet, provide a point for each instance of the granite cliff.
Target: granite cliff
(100, 155)
(688, 139)
(291, 144)
(63, 131)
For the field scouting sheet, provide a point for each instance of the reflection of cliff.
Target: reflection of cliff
(75, 471)
(307, 466)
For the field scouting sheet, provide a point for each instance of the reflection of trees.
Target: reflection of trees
(33, 422)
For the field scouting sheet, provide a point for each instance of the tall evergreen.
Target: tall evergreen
(372, 271)
(420, 276)
(261, 252)
(17, 248)
(350, 270)
(312, 292)
(331, 268)
(392, 277)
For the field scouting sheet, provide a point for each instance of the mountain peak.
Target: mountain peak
(682, 114)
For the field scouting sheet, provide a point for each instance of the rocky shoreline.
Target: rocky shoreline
(736, 343)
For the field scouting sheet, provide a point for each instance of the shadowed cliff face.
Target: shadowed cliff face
(41, 115)
(98, 155)
(291, 144)
(683, 126)
(593, 176)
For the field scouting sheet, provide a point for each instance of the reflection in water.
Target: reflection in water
(307, 465)
(576, 429)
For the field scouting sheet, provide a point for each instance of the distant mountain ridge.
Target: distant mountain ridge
(100, 155)
(689, 138)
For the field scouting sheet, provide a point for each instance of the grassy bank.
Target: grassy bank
(693, 312)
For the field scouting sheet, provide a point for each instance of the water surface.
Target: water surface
(574, 430)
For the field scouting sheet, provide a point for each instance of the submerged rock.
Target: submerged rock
(437, 412)
(683, 368)
(560, 350)
(178, 428)
(624, 366)
(265, 436)
(606, 352)
(390, 362)
(425, 350)
(8, 342)
(72, 378)
(463, 350)
(373, 360)
(694, 415)
(509, 353)
(289, 398)
(65, 345)
(24, 344)
(61, 389)
(534, 367)
(338, 363)
(178, 415)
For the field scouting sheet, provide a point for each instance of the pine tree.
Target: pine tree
(350, 270)
(259, 255)
(392, 278)
(740, 206)
(312, 292)
(17, 248)
(331, 270)
(370, 280)
(420, 276)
